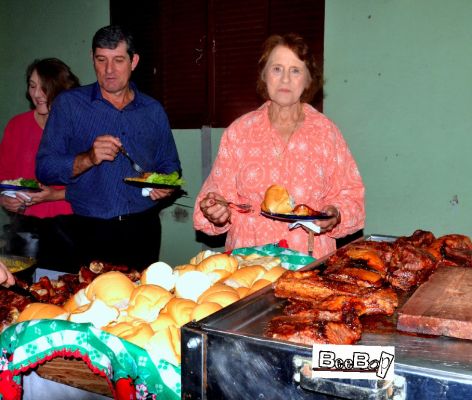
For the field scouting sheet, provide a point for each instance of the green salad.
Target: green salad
(29, 183)
(166, 179)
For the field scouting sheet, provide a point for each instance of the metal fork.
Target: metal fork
(134, 165)
(242, 208)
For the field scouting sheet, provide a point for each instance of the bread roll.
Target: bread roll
(242, 291)
(274, 274)
(218, 261)
(217, 287)
(42, 311)
(165, 344)
(97, 312)
(191, 285)
(204, 310)
(180, 310)
(113, 287)
(164, 320)
(146, 301)
(159, 273)
(137, 332)
(268, 262)
(201, 256)
(277, 200)
(261, 283)
(183, 269)
(77, 300)
(245, 276)
(218, 275)
(224, 298)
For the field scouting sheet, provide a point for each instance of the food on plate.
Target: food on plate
(277, 200)
(136, 331)
(42, 311)
(172, 179)
(27, 183)
(146, 301)
(113, 287)
(304, 210)
(97, 312)
(159, 273)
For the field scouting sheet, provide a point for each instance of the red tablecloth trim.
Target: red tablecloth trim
(124, 388)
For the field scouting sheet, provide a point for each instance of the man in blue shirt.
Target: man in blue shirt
(80, 148)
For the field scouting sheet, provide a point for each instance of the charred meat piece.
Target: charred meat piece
(326, 294)
(454, 249)
(309, 285)
(309, 330)
(410, 266)
(419, 238)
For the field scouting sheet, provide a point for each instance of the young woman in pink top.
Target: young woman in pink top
(45, 79)
(289, 143)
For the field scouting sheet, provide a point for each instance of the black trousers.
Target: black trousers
(133, 240)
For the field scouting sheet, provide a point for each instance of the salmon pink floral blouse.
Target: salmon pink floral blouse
(315, 166)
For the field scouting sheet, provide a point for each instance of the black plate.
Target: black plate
(6, 186)
(141, 184)
(293, 217)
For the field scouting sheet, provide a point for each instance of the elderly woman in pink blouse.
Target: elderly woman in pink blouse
(286, 142)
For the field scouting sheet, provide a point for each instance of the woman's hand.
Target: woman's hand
(12, 204)
(327, 225)
(218, 214)
(6, 277)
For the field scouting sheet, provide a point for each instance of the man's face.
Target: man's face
(113, 68)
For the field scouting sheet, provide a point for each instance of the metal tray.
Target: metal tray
(227, 356)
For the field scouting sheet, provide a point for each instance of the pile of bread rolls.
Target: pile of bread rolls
(151, 312)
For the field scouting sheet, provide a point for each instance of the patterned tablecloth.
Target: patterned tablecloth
(129, 369)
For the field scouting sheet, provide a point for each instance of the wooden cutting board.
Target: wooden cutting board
(441, 306)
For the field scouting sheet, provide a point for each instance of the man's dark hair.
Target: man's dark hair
(110, 36)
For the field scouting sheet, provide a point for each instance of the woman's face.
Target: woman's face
(37, 94)
(286, 76)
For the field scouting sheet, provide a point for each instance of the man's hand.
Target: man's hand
(157, 194)
(104, 148)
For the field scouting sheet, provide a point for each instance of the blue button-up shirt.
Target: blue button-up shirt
(77, 117)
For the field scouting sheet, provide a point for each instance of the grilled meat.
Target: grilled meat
(308, 330)
(410, 266)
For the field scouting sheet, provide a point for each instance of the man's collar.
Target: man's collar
(97, 93)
